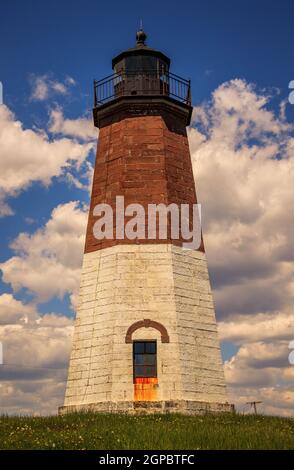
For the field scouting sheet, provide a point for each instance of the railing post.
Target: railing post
(189, 93)
(163, 82)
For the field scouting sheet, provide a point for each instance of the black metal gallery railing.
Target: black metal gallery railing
(141, 82)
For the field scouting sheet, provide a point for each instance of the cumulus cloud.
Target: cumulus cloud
(12, 311)
(243, 161)
(52, 253)
(37, 344)
(36, 353)
(45, 86)
(70, 81)
(244, 165)
(262, 326)
(27, 155)
(4, 207)
(261, 371)
(81, 128)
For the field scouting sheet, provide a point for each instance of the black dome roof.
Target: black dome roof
(140, 49)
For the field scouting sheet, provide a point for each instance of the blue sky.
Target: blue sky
(210, 42)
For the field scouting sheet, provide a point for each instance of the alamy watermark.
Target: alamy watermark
(1, 93)
(159, 222)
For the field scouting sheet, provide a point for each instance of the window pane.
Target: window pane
(150, 372)
(139, 359)
(149, 359)
(150, 347)
(144, 359)
(139, 371)
(139, 347)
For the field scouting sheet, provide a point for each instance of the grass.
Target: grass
(155, 432)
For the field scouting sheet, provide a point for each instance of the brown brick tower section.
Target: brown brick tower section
(146, 159)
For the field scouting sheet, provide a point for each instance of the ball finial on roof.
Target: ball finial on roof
(141, 37)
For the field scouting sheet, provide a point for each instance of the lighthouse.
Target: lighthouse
(145, 335)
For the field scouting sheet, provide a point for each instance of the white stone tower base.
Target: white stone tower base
(151, 284)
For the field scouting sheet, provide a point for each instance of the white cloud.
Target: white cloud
(260, 371)
(44, 86)
(41, 90)
(263, 326)
(36, 353)
(244, 167)
(4, 207)
(59, 88)
(32, 395)
(27, 155)
(12, 311)
(52, 253)
(70, 81)
(246, 194)
(37, 344)
(81, 128)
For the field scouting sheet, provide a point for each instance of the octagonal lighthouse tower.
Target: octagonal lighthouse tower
(145, 337)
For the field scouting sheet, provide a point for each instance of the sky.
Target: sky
(239, 57)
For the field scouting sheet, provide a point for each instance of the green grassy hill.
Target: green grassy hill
(158, 432)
